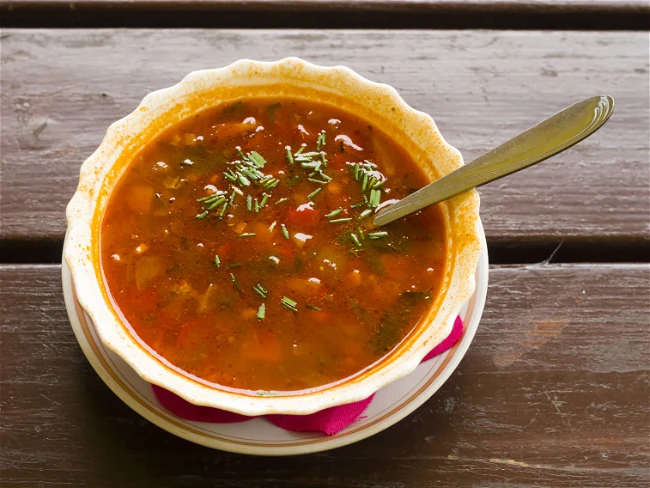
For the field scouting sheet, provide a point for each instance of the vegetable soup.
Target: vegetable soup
(239, 245)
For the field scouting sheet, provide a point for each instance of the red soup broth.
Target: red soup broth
(239, 245)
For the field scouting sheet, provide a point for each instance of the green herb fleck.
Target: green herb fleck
(281, 200)
(265, 198)
(289, 303)
(261, 291)
(202, 215)
(271, 227)
(249, 203)
(247, 234)
(334, 213)
(285, 232)
(314, 193)
(355, 239)
(234, 265)
(314, 308)
(364, 214)
(377, 235)
(261, 312)
(217, 261)
(235, 282)
(289, 156)
(343, 219)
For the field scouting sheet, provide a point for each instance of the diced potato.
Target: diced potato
(147, 269)
(140, 198)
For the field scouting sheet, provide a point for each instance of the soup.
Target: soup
(239, 245)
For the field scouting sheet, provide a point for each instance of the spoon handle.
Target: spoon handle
(546, 139)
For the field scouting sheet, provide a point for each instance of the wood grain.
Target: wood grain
(553, 392)
(60, 89)
(508, 14)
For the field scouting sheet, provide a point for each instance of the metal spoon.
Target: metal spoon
(546, 139)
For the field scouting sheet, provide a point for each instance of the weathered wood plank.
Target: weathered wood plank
(60, 89)
(448, 14)
(553, 392)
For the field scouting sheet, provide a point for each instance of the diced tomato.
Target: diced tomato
(304, 215)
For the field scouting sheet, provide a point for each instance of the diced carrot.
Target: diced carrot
(305, 215)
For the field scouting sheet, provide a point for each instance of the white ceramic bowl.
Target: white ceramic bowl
(377, 103)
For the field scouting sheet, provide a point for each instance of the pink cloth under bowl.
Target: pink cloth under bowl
(329, 421)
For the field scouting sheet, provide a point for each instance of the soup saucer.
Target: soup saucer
(258, 436)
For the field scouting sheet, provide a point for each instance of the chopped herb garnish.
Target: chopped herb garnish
(379, 184)
(314, 193)
(261, 291)
(271, 227)
(364, 182)
(281, 200)
(202, 215)
(217, 261)
(314, 308)
(342, 219)
(243, 157)
(265, 198)
(289, 156)
(358, 249)
(234, 265)
(355, 239)
(223, 210)
(334, 213)
(320, 142)
(377, 235)
(261, 312)
(247, 234)
(355, 205)
(257, 205)
(364, 214)
(302, 148)
(289, 303)
(257, 159)
(320, 182)
(249, 203)
(285, 232)
(235, 282)
(266, 393)
(232, 197)
(375, 198)
(219, 201)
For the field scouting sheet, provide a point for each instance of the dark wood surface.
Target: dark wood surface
(553, 392)
(62, 88)
(511, 14)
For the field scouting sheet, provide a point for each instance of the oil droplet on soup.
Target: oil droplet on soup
(239, 245)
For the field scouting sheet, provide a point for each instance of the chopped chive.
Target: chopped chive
(364, 183)
(235, 282)
(377, 235)
(302, 148)
(202, 215)
(217, 261)
(364, 214)
(223, 210)
(260, 290)
(249, 203)
(355, 239)
(273, 184)
(343, 219)
(379, 184)
(310, 154)
(357, 249)
(257, 159)
(314, 308)
(250, 174)
(243, 157)
(289, 303)
(272, 226)
(234, 265)
(261, 312)
(281, 200)
(247, 234)
(257, 205)
(360, 204)
(314, 193)
(205, 198)
(310, 164)
(372, 182)
(334, 213)
(219, 201)
(320, 182)
(325, 177)
(285, 232)
(360, 231)
(356, 171)
(232, 197)
(243, 180)
(289, 156)
(265, 198)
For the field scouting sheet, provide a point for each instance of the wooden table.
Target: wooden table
(555, 388)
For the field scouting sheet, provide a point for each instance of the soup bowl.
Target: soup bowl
(378, 104)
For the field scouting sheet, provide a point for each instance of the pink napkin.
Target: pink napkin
(329, 421)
